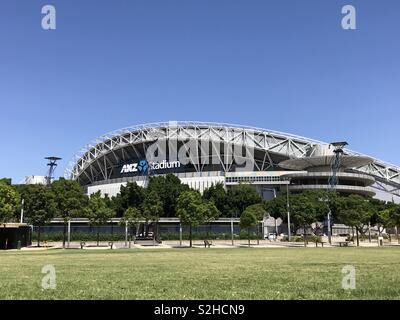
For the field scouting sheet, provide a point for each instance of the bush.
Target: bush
(78, 236)
(164, 236)
(309, 238)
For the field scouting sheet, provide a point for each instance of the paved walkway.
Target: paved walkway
(215, 244)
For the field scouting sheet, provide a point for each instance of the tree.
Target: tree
(395, 218)
(97, 212)
(217, 194)
(277, 208)
(259, 212)
(168, 187)
(248, 219)
(209, 212)
(69, 199)
(130, 195)
(152, 209)
(193, 211)
(242, 196)
(303, 212)
(354, 211)
(39, 206)
(9, 202)
(132, 218)
(379, 214)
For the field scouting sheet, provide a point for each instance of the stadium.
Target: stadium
(202, 154)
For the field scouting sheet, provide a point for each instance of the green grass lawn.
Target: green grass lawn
(246, 273)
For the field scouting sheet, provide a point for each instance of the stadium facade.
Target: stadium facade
(203, 154)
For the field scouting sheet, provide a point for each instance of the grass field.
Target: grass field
(246, 273)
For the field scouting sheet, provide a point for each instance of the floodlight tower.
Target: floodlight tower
(52, 167)
(333, 180)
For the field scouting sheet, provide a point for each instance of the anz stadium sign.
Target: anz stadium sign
(143, 166)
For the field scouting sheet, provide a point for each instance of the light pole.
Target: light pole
(288, 209)
(329, 227)
(22, 211)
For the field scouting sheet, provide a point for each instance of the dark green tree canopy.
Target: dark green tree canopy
(131, 195)
(9, 202)
(97, 210)
(218, 195)
(168, 188)
(242, 196)
(152, 206)
(354, 211)
(39, 204)
(68, 197)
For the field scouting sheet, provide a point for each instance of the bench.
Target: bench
(321, 242)
(344, 243)
(207, 244)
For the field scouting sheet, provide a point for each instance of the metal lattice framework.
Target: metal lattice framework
(103, 151)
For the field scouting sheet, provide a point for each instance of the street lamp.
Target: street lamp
(276, 225)
(288, 209)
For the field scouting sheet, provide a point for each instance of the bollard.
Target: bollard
(19, 245)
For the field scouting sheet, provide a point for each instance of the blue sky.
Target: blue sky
(284, 65)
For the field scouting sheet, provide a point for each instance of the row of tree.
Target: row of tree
(166, 196)
(308, 211)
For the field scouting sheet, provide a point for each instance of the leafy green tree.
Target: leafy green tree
(277, 208)
(39, 206)
(152, 209)
(9, 202)
(379, 214)
(193, 211)
(241, 196)
(131, 195)
(260, 213)
(354, 211)
(395, 218)
(6, 181)
(217, 194)
(69, 199)
(303, 213)
(248, 219)
(132, 217)
(97, 212)
(168, 187)
(210, 212)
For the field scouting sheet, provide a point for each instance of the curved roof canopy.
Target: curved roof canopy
(272, 143)
(346, 161)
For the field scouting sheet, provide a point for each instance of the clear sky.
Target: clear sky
(284, 65)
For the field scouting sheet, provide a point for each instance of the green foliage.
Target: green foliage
(241, 196)
(68, 197)
(218, 195)
(130, 195)
(258, 210)
(152, 206)
(354, 211)
(80, 236)
(132, 217)
(277, 207)
(192, 210)
(308, 238)
(97, 210)
(39, 204)
(395, 214)
(168, 188)
(248, 219)
(9, 202)
(189, 208)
